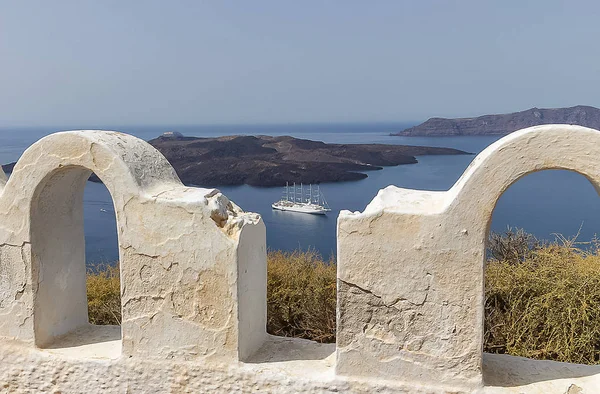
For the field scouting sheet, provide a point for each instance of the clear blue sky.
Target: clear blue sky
(207, 62)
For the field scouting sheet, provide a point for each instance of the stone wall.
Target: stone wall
(193, 277)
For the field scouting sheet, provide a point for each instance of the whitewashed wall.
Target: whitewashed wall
(193, 274)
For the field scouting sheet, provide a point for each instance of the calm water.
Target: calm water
(543, 203)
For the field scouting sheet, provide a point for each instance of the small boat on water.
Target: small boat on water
(302, 200)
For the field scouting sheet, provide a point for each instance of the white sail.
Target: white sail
(314, 203)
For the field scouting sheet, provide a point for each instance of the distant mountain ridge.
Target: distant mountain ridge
(506, 123)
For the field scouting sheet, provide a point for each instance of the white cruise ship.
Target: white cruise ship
(302, 200)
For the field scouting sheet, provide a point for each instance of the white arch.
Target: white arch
(548, 147)
(47, 186)
(414, 261)
(174, 243)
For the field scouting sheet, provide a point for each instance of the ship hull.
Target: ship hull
(300, 209)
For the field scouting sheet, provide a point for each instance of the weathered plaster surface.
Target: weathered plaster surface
(282, 366)
(193, 274)
(178, 246)
(410, 267)
(298, 366)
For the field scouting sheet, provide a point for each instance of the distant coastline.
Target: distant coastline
(273, 161)
(505, 123)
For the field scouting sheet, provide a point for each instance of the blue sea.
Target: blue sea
(544, 203)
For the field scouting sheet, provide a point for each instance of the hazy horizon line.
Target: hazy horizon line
(277, 124)
(173, 125)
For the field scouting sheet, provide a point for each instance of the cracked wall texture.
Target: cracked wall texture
(193, 274)
(410, 267)
(179, 251)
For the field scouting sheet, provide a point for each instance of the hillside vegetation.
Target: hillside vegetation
(542, 300)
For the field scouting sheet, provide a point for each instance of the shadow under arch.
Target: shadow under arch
(475, 195)
(58, 253)
(50, 178)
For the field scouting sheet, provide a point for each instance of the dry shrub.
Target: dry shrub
(104, 295)
(547, 306)
(513, 246)
(301, 295)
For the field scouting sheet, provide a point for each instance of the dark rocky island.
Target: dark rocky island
(273, 161)
(506, 123)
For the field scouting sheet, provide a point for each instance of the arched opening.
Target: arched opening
(59, 270)
(542, 281)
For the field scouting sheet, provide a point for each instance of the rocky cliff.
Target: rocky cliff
(506, 123)
(273, 161)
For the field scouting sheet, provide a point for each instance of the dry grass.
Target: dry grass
(542, 301)
(104, 295)
(513, 246)
(301, 295)
(547, 306)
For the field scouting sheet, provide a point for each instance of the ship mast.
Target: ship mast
(310, 194)
(301, 194)
(294, 197)
(287, 193)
